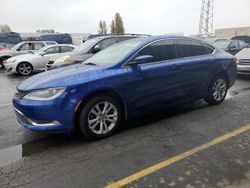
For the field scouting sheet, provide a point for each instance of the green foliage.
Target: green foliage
(102, 27)
(117, 26)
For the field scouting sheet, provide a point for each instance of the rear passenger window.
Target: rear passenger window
(38, 46)
(161, 50)
(192, 48)
(209, 49)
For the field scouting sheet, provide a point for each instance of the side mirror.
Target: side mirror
(144, 59)
(141, 59)
(96, 49)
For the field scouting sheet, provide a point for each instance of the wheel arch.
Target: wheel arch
(24, 62)
(106, 91)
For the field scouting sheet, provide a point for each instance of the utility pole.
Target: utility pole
(206, 19)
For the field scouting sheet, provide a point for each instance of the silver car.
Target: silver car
(28, 63)
(23, 48)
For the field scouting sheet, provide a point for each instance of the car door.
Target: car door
(37, 46)
(195, 61)
(159, 82)
(24, 48)
(234, 47)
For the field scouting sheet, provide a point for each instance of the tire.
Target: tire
(91, 119)
(24, 68)
(217, 90)
(1, 61)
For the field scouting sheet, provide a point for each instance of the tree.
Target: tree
(117, 26)
(102, 27)
(112, 27)
(5, 28)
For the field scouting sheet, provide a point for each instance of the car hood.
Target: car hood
(21, 57)
(243, 54)
(79, 57)
(61, 77)
(7, 52)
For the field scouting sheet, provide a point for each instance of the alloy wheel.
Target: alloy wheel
(102, 117)
(24, 69)
(219, 89)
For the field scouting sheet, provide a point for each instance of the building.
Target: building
(228, 33)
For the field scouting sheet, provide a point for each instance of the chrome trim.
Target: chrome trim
(27, 120)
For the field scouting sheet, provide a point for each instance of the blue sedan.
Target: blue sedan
(128, 79)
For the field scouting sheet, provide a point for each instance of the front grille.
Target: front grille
(244, 61)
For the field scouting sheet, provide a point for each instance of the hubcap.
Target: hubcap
(102, 117)
(24, 69)
(219, 89)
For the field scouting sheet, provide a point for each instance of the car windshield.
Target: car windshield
(86, 46)
(222, 44)
(114, 53)
(16, 46)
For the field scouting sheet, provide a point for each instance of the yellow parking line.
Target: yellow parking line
(174, 159)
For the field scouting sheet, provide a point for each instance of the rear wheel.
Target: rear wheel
(217, 90)
(24, 69)
(100, 117)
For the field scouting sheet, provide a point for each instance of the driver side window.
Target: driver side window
(52, 50)
(25, 47)
(161, 51)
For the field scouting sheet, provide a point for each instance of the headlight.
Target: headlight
(9, 61)
(45, 94)
(62, 59)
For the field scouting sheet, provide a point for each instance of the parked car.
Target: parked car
(28, 63)
(244, 38)
(231, 46)
(23, 48)
(91, 36)
(57, 37)
(127, 79)
(243, 64)
(86, 50)
(9, 39)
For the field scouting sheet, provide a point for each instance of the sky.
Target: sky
(139, 16)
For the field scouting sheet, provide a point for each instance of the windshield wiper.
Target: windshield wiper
(90, 63)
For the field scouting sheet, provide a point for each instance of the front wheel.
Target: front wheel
(24, 69)
(217, 90)
(100, 117)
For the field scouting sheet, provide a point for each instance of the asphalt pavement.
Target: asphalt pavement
(163, 149)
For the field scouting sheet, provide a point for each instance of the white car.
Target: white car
(28, 63)
(23, 48)
(243, 64)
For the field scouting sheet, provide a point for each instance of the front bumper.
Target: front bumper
(243, 69)
(10, 67)
(54, 116)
